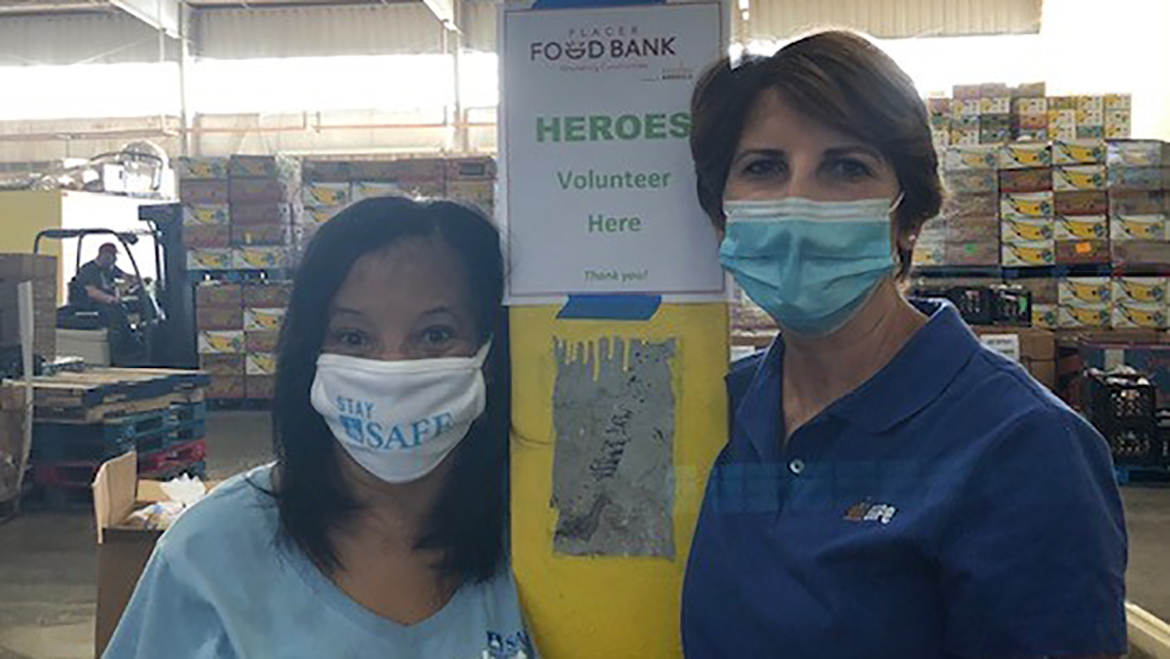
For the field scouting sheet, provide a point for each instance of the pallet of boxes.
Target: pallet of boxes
(240, 253)
(82, 419)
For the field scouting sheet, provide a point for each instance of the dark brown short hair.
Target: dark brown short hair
(837, 78)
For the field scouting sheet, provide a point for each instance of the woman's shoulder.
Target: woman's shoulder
(237, 518)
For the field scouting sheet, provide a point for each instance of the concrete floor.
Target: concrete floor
(47, 562)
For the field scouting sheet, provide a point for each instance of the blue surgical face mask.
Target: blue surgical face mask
(810, 264)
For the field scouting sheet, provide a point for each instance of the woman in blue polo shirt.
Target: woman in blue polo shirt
(890, 488)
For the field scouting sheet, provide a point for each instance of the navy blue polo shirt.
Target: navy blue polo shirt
(949, 507)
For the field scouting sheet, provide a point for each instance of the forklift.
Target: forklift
(161, 314)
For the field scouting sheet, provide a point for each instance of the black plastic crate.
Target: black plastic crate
(1137, 446)
(975, 303)
(1011, 305)
(1120, 399)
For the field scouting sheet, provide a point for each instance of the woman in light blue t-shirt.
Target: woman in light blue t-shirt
(380, 529)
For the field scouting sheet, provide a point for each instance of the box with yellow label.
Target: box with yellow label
(260, 363)
(1078, 177)
(1137, 315)
(965, 107)
(259, 258)
(1084, 316)
(326, 194)
(200, 258)
(221, 342)
(1044, 316)
(963, 157)
(1079, 152)
(1140, 290)
(370, 189)
(1085, 290)
(1138, 153)
(318, 215)
(1082, 252)
(1028, 254)
(201, 168)
(1022, 205)
(263, 319)
(1024, 230)
(206, 214)
(929, 254)
(1025, 155)
(1082, 227)
(1138, 227)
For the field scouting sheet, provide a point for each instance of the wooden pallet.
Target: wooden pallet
(70, 412)
(105, 386)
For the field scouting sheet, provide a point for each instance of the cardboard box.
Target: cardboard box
(1082, 227)
(226, 386)
(1029, 254)
(252, 167)
(1090, 117)
(1031, 121)
(122, 550)
(471, 169)
(1140, 290)
(221, 342)
(1078, 177)
(1079, 152)
(1081, 202)
(1033, 348)
(369, 189)
(261, 341)
(1025, 180)
(1024, 155)
(259, 190)
(1118, 101)
(326, 171)
(1043, 289)
(260, 258)
(1117, 131)
(1138, 202)
(962, 181)
(413, 169)
(975, 228)
(1023, 205)
(271, 294)
(1138, 153)
(260, 387)
(995, 105)
(201, 168)
(1045, 316)
(218, 294)
(262, 214)
(219, 318)
(272, 235)
(326, 194)
(199, 258)
(1084, 316)
(13, 419)
(929, 254)
(261, 363)
(1138, 178)
(264, 320)
(1026, 230)
(206, 214)
(210, 236)
(1141, 253)
(972, 205)
(1085, 290)
(318, 215)
(1139, 227)
(1128, 315)
(1039, 134)
(222, 364)
(972, 254)
(196, 191)
(1083, 252)
(1087, 132)
(963, 157)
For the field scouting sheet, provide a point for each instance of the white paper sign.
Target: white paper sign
(1007, 345)
(600, 186)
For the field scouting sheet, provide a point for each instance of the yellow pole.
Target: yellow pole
(610, 606)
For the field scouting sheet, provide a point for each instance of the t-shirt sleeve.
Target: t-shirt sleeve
(1033, 558)
(88, 275)
(167, 618)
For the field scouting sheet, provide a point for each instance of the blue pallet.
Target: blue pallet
(239, 404)
(188, 412)
(1133, 475)
(187, 432)
(99, 441)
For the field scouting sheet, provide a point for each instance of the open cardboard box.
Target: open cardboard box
(122, 549)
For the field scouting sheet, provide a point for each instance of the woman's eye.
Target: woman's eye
(762, 168)
(437, 336)
(851, 170)
(349, 338)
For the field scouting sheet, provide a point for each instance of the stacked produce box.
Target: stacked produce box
(239, 324)
(42, 272)
(1026, 205)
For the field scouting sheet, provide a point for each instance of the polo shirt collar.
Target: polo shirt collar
(917, 375)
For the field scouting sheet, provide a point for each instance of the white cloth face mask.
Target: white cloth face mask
(400, 419)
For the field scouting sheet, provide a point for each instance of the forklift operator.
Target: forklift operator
(92, 289)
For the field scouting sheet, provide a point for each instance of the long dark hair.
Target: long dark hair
(468, 521)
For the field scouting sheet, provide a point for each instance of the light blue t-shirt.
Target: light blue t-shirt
(220, 586)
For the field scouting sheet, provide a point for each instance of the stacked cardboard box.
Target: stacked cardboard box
(1081, 203)
(238, 329)
(203, 191)
(1034, 349)
(1026, 205)
(1138, 179)
(1029, 113)
(981, 114)
(939, 110)
(42, 272)
(967, 231)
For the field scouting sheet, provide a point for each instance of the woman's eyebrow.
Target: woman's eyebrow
(838, 151)
(347, 311)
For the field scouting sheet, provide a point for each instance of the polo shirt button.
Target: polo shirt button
(796, 466)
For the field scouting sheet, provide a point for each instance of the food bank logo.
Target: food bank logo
(617, 42)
